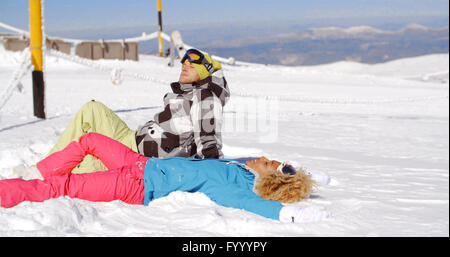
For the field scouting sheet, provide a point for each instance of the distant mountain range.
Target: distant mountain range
(297, 43)
(324, 45)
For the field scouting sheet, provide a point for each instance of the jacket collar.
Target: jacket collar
(179, 88)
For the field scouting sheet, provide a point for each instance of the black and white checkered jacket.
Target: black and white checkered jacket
(190, 124)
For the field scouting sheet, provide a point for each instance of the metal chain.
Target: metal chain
(15, 82)
(98, 66)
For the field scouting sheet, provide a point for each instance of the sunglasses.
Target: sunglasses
(195, 56)
(286, 168)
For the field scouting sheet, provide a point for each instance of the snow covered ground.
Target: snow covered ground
(380, 132)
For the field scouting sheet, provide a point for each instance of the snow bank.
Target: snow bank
(431, 68)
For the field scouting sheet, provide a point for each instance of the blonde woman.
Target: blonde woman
(259, 186)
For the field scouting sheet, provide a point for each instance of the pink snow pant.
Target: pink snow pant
(123, 181)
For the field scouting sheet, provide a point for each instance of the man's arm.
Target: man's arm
(206, 116)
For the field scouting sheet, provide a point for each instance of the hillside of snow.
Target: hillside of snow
(380, 132)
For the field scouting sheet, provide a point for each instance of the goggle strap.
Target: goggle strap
(209, 67)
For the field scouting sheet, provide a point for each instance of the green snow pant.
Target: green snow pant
(95, 117)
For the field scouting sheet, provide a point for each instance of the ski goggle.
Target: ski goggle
(195, 56)
(286, 168)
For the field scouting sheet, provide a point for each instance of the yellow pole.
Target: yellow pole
(36, 34)
(36, 58)
(161, 42)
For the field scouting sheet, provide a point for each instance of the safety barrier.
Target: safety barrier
(87, 49)
(116, 73)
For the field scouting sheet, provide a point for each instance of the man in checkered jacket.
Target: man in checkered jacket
(190, 124)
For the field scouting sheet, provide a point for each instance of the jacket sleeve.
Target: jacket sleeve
(206, 115)
(240, 198)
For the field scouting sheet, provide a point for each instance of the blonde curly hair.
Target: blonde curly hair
(285, 188)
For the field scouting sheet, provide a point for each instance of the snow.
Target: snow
(379, 131)
(424, 68)
(349, 31)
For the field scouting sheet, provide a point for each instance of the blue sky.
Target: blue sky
(85, 14)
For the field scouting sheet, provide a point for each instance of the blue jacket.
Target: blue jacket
(224, 181)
